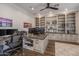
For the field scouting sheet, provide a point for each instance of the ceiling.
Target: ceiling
(38, 6)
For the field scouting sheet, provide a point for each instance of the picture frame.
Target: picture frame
(27, 25)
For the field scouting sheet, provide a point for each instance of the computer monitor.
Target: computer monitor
(37, 30)
(7, 31)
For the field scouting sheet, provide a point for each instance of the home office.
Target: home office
(29, 30)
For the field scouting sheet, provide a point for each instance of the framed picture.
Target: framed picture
(27, 25)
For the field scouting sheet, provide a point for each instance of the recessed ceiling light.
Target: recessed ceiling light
(32, 8)
(39, 15)
(66, 9)
(50, 14)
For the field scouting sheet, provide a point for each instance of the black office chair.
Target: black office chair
(13, 44)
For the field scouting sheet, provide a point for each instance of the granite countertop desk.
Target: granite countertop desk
(40, 36)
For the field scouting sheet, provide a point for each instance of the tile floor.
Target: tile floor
(65, 49)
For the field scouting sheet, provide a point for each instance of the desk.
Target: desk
(39, 43)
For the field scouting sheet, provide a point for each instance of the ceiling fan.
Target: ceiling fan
(49, 7)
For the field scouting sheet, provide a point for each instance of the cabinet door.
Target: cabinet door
(37, 46)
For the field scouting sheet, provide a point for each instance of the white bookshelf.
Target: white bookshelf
(40, 22)
(51, 24)
(70, 23)
(60, 23)
(37, 22)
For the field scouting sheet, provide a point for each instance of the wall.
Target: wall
(77, 22)
(7, 11)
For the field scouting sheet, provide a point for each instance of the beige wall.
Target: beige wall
(77, 22)
(18, 17)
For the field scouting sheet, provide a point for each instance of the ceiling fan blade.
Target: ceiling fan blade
(53, 8)
(43, 9)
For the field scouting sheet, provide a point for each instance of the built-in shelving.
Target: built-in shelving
(70, 23)
(37, 22)
(40, 22)
(51, 24)
(61, 23)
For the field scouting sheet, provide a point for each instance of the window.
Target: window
(5, 22)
